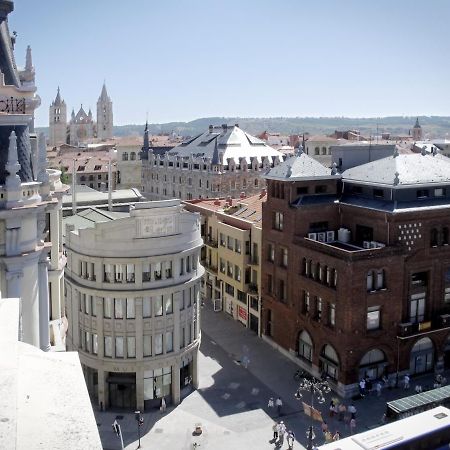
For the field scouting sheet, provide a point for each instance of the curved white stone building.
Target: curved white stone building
(133, 288)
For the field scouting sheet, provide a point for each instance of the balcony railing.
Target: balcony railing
(439, 321)
(252, 288)
(210, 242)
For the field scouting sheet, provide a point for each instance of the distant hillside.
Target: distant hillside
(434, 126)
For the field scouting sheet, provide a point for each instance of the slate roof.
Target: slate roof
(299, 167)
(232, 142)
(402, 170)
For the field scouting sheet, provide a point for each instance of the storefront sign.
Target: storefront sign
(242, 313)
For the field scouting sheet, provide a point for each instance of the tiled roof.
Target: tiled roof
(299, 167)
(85, 162)
(402, 170)
(232, 142)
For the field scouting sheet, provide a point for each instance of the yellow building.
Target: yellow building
(231, 230)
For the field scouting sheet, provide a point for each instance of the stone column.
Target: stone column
(140, 388)
(176, 383)
(44, 314)
(56, 298)
(55, 238)
(176, 321)
(103, 397)
(195, 368)
(13, 279)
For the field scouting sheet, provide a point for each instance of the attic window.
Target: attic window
(97, 167)
(80, 169)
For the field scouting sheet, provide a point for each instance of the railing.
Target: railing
(252, 288)
(211, 242)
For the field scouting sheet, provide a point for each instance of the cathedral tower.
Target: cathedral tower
(57, 121)
(104, 116)
(417, 134)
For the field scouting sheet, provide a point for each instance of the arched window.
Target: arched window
(372, 364)
(324, 150)
(433, 237)
(370, 281)
(422, 356)
(125, 156)
(132, 156)
(317, 151)
(329, 361)
(305, 346)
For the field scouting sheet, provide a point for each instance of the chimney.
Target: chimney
(216, 202)
(263, 193)
(242, 194)
(224, 127)
(211, 128)
(236, 125)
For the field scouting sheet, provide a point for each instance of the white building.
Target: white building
(133, 288)
(31, 258)
(223, 161)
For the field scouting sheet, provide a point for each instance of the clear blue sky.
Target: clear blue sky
(180, 60)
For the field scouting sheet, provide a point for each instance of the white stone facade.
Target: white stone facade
(133, 289)
(224, 161)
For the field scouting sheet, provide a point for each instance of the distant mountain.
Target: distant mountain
(433, 126)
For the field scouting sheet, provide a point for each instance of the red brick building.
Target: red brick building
(356, 267)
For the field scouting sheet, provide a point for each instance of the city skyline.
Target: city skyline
(178, 61)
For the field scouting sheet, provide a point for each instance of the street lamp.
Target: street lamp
(317, 388)
(140, 422)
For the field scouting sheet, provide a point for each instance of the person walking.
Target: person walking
(362, 387)
(406, 380)
(352, 426)
(163, 405)
(281, 433)
(352, 410)
(275, 431)
(342, 409)
(290, 439)
(271, 404)
(337, 436)
(279, 404)
(378, 388)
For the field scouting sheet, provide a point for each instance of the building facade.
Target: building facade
(224, 161)
(133, 289)
(231, 231)
(356, 267)
(31, 256)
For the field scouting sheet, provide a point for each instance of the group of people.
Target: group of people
(279, 432)
(343, 413)
(278, 404)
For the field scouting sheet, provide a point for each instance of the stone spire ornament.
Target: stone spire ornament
(13, 183)
(42, 159)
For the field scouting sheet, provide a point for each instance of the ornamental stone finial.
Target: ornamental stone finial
(42, 159)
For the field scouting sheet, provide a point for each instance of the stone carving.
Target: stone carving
(156, 226)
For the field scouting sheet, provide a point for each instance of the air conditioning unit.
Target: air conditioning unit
(366, 244)
(404, 329)
(330, 236)
(373, 244)
(312, 236)
(380, 245)
(344, 235)
(321, 237)
(445, 320)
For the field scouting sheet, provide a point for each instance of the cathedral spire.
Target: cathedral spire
(58, 98)
(146, 145)
(104, 94)
(215, 158)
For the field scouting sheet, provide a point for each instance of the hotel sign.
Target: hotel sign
(156, 226)
(12, 105)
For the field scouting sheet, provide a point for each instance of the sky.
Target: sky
(178, 60)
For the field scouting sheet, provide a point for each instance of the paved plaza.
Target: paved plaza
(231, 402)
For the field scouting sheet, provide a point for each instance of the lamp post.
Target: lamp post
(316, 388)
(140, 422)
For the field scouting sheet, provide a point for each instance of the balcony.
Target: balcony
(210, 267)
(210, 242)
(253, 289)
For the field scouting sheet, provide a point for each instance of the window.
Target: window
(131, 347)
(422, 193)
(158, 344)
(321, 189)
(378, 193)
(118, 308)
(169, 341)
(222, 267)
(168, 304)
(284, 257)
(317, 151)
(439, 192)
(107, 307)
(278, 221)
(146, 276)
(332, 314)
(229, 269)
(302, 190)
(318, 308)
(146, 307)
(419, 279)
(230, 243)
(130, 308)
(305, 346)
(119, 347)
(269, 283)
(417, 307)
(241, 296)
(158, 305)
(147, 345)
(380, 279)
(168, 266)
(94, 343)
(157, 267)
(237, 246)
(373, 318)
(282, 290)
(222, 239)
(229, 289)
(329, 361)
(306, 305)
(108, 346)
(271, 253)
(237, 273)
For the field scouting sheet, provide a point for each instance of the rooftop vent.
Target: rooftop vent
(211, 128)
(224, 127)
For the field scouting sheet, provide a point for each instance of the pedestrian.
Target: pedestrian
(406, 381)
(290, 439)
(352, 426)
(337, 436)
(279, 404)
(378, 388)
(332, 410)
(275, 431)
(324, 427)
(328, 437)
(352, 410)
(362, 387)
(271, 404)
(369, 386)
(418, 388)
(163, 405)
(281, 433)
(341, 412)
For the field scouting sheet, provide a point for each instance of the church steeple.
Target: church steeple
(57, 101)
(104, 116)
